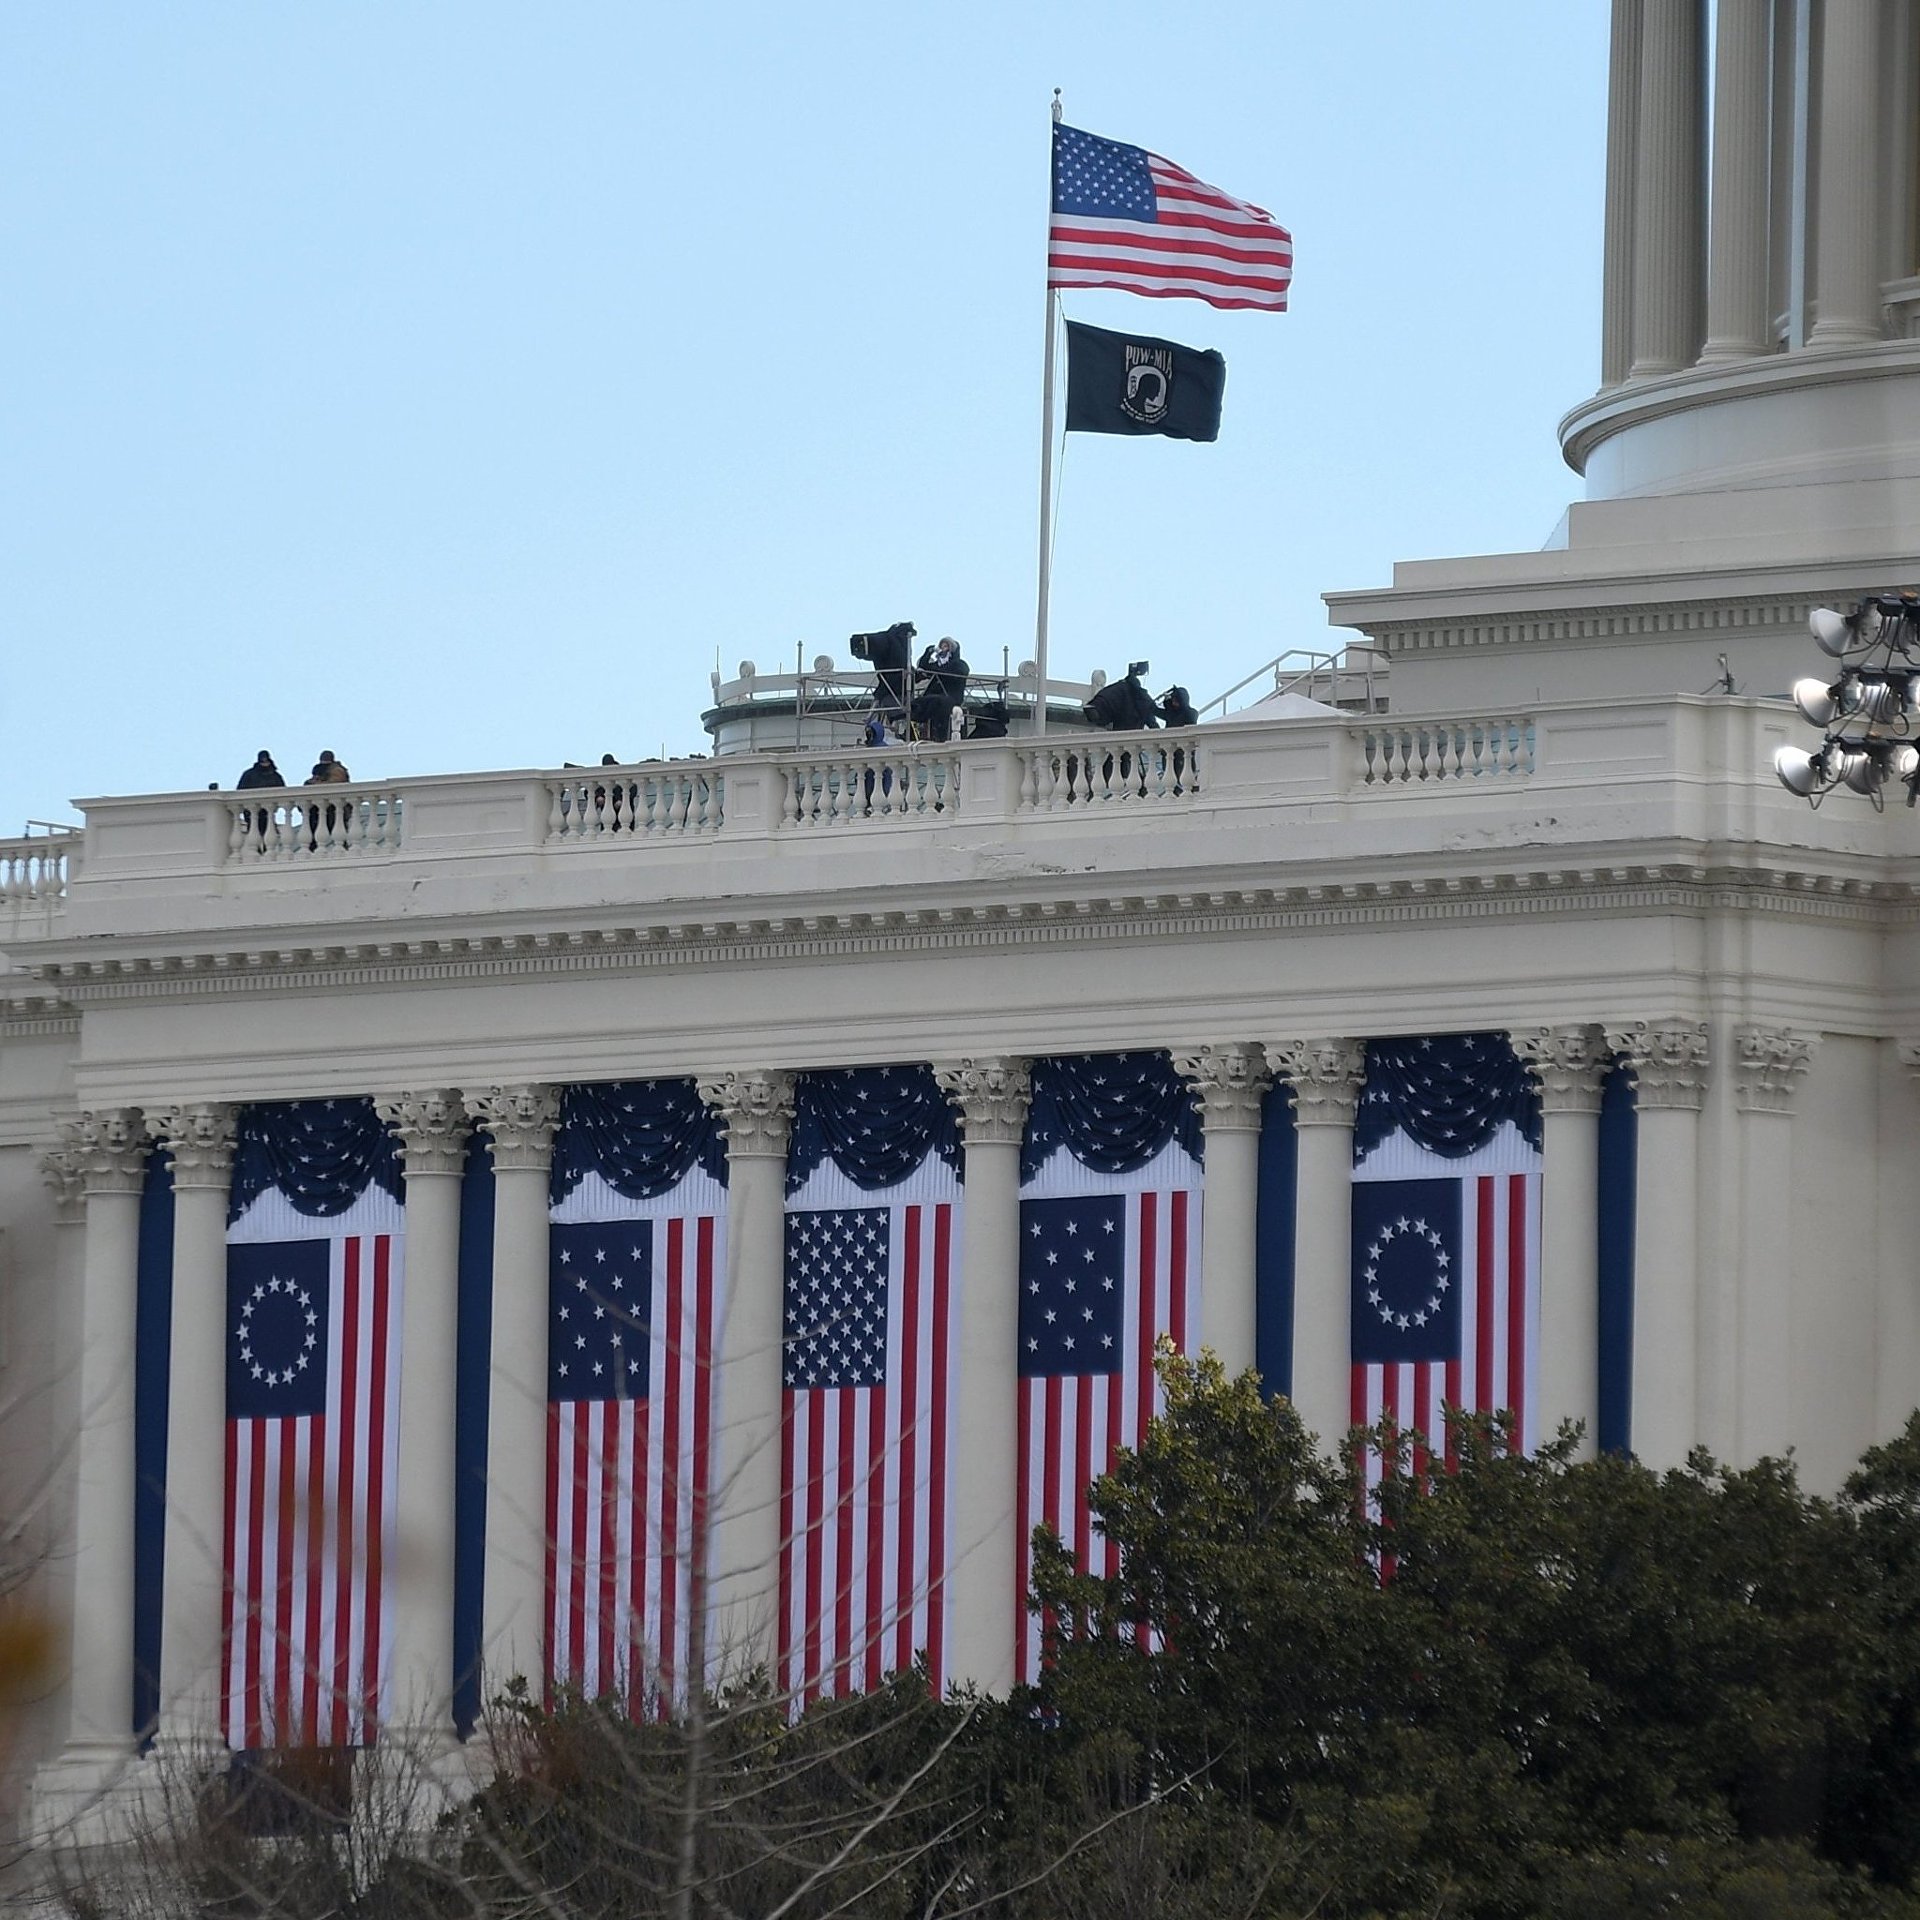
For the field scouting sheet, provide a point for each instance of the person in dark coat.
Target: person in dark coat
(943, 677)
(1123, 706)
(888, 653)
(263, 773)
(327, 772)
(1176, 710)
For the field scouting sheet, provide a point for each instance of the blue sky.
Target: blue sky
(449, 383)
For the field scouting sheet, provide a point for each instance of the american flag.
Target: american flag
(1445, 1294)
(630, 1332)
(866, 1439)
(313, 1376)
(1124, 217)
(1102, 1278)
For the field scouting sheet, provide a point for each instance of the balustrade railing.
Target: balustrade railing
(1093, 774)
(836, 791)
(1413, 752)
(347, 822)
(604, 802)
(33, 872)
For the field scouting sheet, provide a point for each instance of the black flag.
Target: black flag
(1126, 383)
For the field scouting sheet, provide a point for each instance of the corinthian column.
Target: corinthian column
(1668, 1062)
(1623, 116)
(1229, 1083)
(988, 1607)
(519, 1124)
(1738, 323)
(1669, 187)
(1569, 1065)
(432, 1129)
(104, 1154)
(1768, 1065)
(1846, 271)
(199, 1138)
(744, 1558)
(1324, 1078)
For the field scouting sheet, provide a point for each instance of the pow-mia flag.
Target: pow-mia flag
(1126, 383)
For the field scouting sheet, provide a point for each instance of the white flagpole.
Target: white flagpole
(1046, 466)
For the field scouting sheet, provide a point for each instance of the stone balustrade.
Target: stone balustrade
(1342, 789)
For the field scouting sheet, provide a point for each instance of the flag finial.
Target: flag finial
(1059, 112)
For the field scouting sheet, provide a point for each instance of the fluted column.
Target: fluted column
(1669, 187)
(1767, 1064)
(1229, 1083)
(199, 1137)
(1738, 323)
(1623, 118)
(1668, 1061)
(1569, 1065)
(1324, 1078)
(744, 1557)
(432, 1129)
(106, 1154)
(519, 1123)
(1847, 181)
(987, 1607)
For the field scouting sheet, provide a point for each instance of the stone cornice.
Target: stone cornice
(1849, 897)
(992, 1095)
(1655, 619)
(432, 1128)
(1230, 1082)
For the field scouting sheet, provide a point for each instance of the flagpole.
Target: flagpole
(1046, 465)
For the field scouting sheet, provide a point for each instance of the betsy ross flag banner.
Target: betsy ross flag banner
(871, 1320)
(1125, 218)
(1109, 1266)
(312, 1426)
(635, 1299)
(1446, 1237)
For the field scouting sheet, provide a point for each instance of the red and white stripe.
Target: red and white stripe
(1497, 1368)
(866, 1477)
(307, 1654)
(1205, 245)
(1071, 1426)
(628, 1482)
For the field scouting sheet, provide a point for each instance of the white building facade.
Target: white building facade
(1704, 991)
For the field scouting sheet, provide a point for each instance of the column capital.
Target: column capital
(1229, 1082)
(992, 1094)
(199, 1137)
(1768, 1063)
(432, 1127)
(110, 1147)
(1667, 1058)
(519, 1123)
(60, 1168)
(757, 1105)
(1569, 1065)
(1324, 1076)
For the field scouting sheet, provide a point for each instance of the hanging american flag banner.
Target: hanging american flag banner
(1109, 1266)
(871, 1319)
(1446, 1237)
(1124, 217)
(635, 1298)
(312, 1429)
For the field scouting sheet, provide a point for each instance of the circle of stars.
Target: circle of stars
(1389, 1315)
(303, 1357)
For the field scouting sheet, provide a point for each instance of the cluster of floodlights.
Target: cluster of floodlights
(1870, 713)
